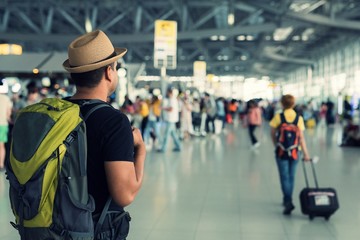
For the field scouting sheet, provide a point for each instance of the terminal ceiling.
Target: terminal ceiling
(268, 37)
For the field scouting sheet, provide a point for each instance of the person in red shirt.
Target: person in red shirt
(254, 120)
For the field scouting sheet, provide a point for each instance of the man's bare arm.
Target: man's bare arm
(124, 177)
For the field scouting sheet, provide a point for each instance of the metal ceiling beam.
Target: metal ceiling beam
(315, 6)
(214, 64)
(260, 69)
(252, 15)
(27, 21)
(136, 38)
(309, 17)
(138, 18)
(115, 20)
(5, 20)
(222, 16)
(184, 18)
(193, 54)
(210, 14)
(49, 20)
(228, 32)
(282, 58)
(94, 16)
(202, 49)
(245, 7)
(177, 6)
(72, 21)
(148, 15)
(325, 21)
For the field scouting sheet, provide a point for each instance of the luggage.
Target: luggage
(218, 126)
(311, 123)
(317, 202)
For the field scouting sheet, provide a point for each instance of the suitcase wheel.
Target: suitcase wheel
(311, 217)
(327, 218)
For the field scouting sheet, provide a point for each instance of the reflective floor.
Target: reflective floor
(218, 187)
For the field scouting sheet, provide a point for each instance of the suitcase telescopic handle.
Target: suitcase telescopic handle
(313, 171)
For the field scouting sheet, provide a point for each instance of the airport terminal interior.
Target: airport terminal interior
(221, 58)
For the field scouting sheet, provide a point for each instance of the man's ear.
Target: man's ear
(108, 73)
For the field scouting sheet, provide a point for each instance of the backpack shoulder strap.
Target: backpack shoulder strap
(295, 122)
(100, 104)
(282, 118)
(93, 109)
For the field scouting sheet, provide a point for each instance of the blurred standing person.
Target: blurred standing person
(210, 109)
(185, 117)
(18, 104)
(232, 109)
(323, 110)
(220, 107)
(330, 116)
(287, 164)
(178, 123)
(5, 115)
(254, 119)
(196, 116)
(154, 119)
(348, 109)
(144, 113)
(242, 110)
(170, 110)
(137, 118)
(33, 95)
(128, 108)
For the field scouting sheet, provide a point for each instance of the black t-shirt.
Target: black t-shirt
(109, 138)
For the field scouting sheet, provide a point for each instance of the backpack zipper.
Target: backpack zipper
(50, 108)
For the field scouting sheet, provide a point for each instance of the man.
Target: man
(171, 117)
(210, 108)
(116, 153)
(287, 164)
(5, 114)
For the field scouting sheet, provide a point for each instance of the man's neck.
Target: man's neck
(89, 93)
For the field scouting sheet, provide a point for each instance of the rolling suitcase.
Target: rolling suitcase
(317, 202)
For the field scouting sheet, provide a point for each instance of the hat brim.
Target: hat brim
(86, 68)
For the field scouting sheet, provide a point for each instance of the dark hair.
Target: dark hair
(288, 101)
(90, 79)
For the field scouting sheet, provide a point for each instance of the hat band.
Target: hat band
(111, 56)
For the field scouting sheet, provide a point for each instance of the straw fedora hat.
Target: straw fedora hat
(91, 51)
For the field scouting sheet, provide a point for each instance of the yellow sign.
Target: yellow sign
(10, 49)
(210, 77)
(165, 29)
(199, 69)
(165, 44)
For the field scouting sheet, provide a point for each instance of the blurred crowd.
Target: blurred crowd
(198, 115)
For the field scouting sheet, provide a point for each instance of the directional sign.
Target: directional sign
(165, 44)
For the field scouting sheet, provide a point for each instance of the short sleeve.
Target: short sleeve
(275, 122)
(118, 142)
(301, 124)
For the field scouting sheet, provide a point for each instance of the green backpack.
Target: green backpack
(47, 172)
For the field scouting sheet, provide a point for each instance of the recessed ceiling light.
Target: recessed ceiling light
(241, 38)
(249, 37)
(296, 38)
(214, 38)
(222, 38)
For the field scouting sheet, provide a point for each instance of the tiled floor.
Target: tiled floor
(220, 188)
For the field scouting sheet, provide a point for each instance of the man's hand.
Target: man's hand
(138, 140)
